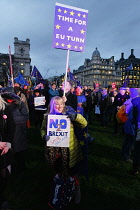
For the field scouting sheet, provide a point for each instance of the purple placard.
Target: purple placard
(70, 28)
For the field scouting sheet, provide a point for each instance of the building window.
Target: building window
(22, 71)
(22, 64)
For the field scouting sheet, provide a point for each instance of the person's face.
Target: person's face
(72, 90)
(85, 87)
(58, 106)
(78, 91)
(104, 92)
(53, 86)
(37, 94)
(122, 92)
(114, 93)
(18, 93)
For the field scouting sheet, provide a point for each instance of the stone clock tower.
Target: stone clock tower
(22, 60)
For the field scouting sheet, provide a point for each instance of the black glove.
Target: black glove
(46, 138)
(72, 116)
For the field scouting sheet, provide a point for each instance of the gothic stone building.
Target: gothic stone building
(20, 59)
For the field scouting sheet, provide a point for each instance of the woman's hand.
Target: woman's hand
(5, 150)
(2, 145)
(64, 99)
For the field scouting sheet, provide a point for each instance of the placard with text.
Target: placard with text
(58, 128)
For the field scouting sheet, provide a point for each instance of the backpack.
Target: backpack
(63, 190)
(121, 114)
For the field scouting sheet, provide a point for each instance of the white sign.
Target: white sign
(58, 128)
(39, 101)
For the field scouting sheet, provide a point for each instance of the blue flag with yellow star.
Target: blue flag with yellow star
(35, 73)
(70, 26)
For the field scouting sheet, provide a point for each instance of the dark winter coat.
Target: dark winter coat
(20, 115)
(7, 126)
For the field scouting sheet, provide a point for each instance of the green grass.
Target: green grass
(109, 186)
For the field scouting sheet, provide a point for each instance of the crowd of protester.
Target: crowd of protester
(18, 110)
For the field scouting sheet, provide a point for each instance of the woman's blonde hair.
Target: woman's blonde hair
(52, 102)
(2, 103)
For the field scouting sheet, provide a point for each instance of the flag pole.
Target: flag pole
(67, 64)
(11, 67)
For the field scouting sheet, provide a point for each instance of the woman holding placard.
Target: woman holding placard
(67, 161)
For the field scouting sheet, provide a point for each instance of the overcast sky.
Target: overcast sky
(113, 27)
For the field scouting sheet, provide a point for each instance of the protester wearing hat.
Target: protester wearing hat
(39, 110)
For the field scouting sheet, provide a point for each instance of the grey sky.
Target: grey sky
(113, 27)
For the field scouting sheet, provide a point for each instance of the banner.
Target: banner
(58, 128)
(70, 26)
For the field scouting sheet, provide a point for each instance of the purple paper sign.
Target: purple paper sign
(70, 28)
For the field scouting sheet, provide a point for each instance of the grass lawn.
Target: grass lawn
(109, 186)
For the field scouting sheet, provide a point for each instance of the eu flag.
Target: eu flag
(35, 73)
(20, 80)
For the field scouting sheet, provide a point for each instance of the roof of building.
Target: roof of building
(96, 53)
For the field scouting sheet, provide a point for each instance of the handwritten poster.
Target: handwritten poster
(38, 101)
(58, 128)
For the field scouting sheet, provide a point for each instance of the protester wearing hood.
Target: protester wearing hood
(20, 115)
(7, 128)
